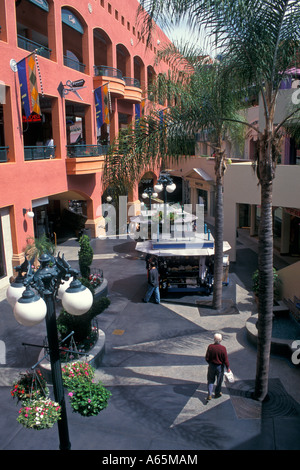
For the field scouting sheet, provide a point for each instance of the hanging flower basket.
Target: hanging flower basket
(86, 397)
(77, 371)
(39, 414)
(89, 398)
(30, 385)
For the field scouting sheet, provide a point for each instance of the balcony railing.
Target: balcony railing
(31, 46)
(3, 154)
(132, 82)
(39, 152)
(73, 64)
(77, 151)
(102, 70)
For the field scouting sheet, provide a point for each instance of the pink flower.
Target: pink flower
(70, 394)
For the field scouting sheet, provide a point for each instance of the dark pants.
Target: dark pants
(215, 371)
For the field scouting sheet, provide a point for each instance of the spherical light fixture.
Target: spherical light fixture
(158, 187)
(30, 309)
(63, 287)
(77, 298)
(154, 194)
(14, 292)
(144, 195)
(171, 187)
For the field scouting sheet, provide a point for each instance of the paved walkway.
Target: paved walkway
(154, 366)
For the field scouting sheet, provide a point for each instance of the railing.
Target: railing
(39, 152)
(102, 70)
(132, 82)
(3, 154)
(31, 46)
(73, 64)
(76, 151)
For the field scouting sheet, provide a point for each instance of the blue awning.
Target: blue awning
(70, 19)
(40, 3)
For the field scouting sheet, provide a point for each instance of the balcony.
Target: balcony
(74, 64)
(112, 75)
(133, 91)
(32, 46)
(85, 159)
(39, 152)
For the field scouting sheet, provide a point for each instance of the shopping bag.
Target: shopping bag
(229, 376)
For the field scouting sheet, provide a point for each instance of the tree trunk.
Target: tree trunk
(265, 301)
(219, 222)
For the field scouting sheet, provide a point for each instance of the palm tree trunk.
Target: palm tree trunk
(265, 305)
(219, 222)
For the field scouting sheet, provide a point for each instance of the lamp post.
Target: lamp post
(149, 192)
(32, 306)
(165, 183)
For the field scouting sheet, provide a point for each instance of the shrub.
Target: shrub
(85, 256)
(276, 284)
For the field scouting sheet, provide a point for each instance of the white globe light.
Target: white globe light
(30, 309)
(154, 195)
(144, 195)
(171, 187)
(14, 293)
(77, 299)
(30, 214)
(158, 187)
(63, 287)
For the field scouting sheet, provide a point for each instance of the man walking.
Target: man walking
(153, 284)
(216, 356)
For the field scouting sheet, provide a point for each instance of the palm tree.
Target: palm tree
(259, 39)
(201, 95)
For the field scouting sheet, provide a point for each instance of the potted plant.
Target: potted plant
(76, 371)
(87, 397)
(30, 385)
(38, 414)
(37, 246)
(276, 284)
(85, 333)
(85, 256)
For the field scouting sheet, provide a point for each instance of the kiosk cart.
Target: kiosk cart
(186, 265)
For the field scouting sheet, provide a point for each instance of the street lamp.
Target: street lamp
(149, 192)
(165, 183)
(36, 301)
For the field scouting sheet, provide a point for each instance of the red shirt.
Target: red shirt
(217, 354)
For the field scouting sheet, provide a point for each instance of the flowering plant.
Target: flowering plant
(89, 398)
(30, 385)
(95, 279)
(86, 397)
(39, 414)
(77, 371)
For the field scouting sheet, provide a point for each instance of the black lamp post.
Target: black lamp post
(149, 192)
(31, 308)
(165, 183)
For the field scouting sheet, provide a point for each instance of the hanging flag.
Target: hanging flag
(102, 103)
(28, 85)
(140, 110)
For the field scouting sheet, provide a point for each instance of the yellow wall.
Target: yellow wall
(290, 281)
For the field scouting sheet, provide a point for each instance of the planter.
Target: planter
(102, 290)
(93, 357)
